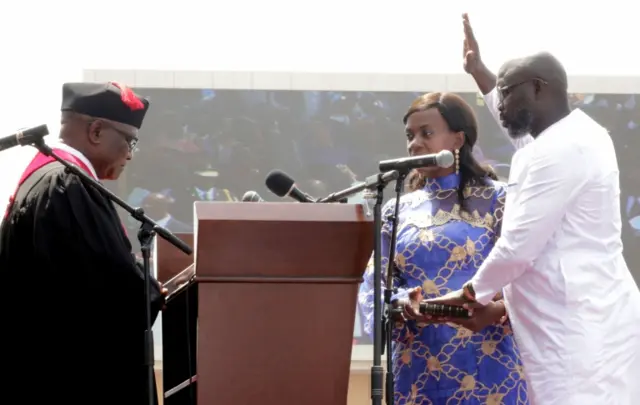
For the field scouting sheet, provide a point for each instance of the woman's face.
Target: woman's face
(427, 132)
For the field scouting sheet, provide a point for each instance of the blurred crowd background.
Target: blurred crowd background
(214, 145)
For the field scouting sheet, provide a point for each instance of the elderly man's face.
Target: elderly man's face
(110, 144)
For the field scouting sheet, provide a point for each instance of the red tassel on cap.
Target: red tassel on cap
(128, 97)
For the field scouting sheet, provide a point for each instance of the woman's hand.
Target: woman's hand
(409, 309)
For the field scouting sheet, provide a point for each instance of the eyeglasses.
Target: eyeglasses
(132, 140)
(504, 91)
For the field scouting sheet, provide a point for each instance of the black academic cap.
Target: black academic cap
(111, 101)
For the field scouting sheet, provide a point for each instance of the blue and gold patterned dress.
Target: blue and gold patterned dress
(440, 247)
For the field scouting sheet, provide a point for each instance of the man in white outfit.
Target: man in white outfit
(572, 302)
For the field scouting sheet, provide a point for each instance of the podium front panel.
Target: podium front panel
(274, 344)
(277, 289)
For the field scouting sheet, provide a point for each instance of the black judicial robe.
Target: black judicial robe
(72, 311)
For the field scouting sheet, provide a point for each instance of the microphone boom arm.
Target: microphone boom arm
(370, 183)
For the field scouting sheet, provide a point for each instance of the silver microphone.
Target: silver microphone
(442, 159)
(251, 196)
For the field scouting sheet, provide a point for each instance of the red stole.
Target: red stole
(41, 160)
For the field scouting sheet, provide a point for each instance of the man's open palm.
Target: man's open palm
(471, 51)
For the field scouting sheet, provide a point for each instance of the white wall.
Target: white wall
(261, 80)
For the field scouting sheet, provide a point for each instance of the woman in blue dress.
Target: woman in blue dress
(448, 222)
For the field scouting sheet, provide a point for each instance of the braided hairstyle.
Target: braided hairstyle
(459, 117)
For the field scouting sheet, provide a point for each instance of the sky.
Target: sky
(44, 43)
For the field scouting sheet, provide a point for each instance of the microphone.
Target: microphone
(251, 196)
(442, 159)
(24, 137)
(282, 185)
(443, 310)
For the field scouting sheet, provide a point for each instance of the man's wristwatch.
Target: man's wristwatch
(468, 292)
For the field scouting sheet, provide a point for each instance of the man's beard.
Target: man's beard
(520, 125)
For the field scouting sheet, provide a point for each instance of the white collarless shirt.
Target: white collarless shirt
(573, 304)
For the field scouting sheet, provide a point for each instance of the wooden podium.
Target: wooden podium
(171, 260)
(266, 315)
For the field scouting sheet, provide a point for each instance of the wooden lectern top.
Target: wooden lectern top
(281, 240)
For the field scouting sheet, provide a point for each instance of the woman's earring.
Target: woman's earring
(457, 155)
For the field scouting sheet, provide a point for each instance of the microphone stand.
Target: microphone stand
(377, 182)
(386, 321)
(377, 371)
(148, 229)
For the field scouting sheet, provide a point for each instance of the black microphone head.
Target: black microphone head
(251, 196)
(279, 182)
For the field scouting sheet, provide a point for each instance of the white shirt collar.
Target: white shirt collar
(76, 153)
(573, 116)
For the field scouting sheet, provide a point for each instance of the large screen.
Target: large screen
(214, 145)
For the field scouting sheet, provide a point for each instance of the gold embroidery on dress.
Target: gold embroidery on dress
(429, 287)
(414, 395)
(426, 235)
(441, 217)
(495, 399)
(463, 333)
(406, 355)
(469, 253)
(468, 383)
(458, 254)
(470, 247)
(489, 347)
(433, 364)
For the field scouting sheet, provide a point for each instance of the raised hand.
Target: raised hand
(470, 49)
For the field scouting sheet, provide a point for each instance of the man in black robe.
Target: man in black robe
(72, 305)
